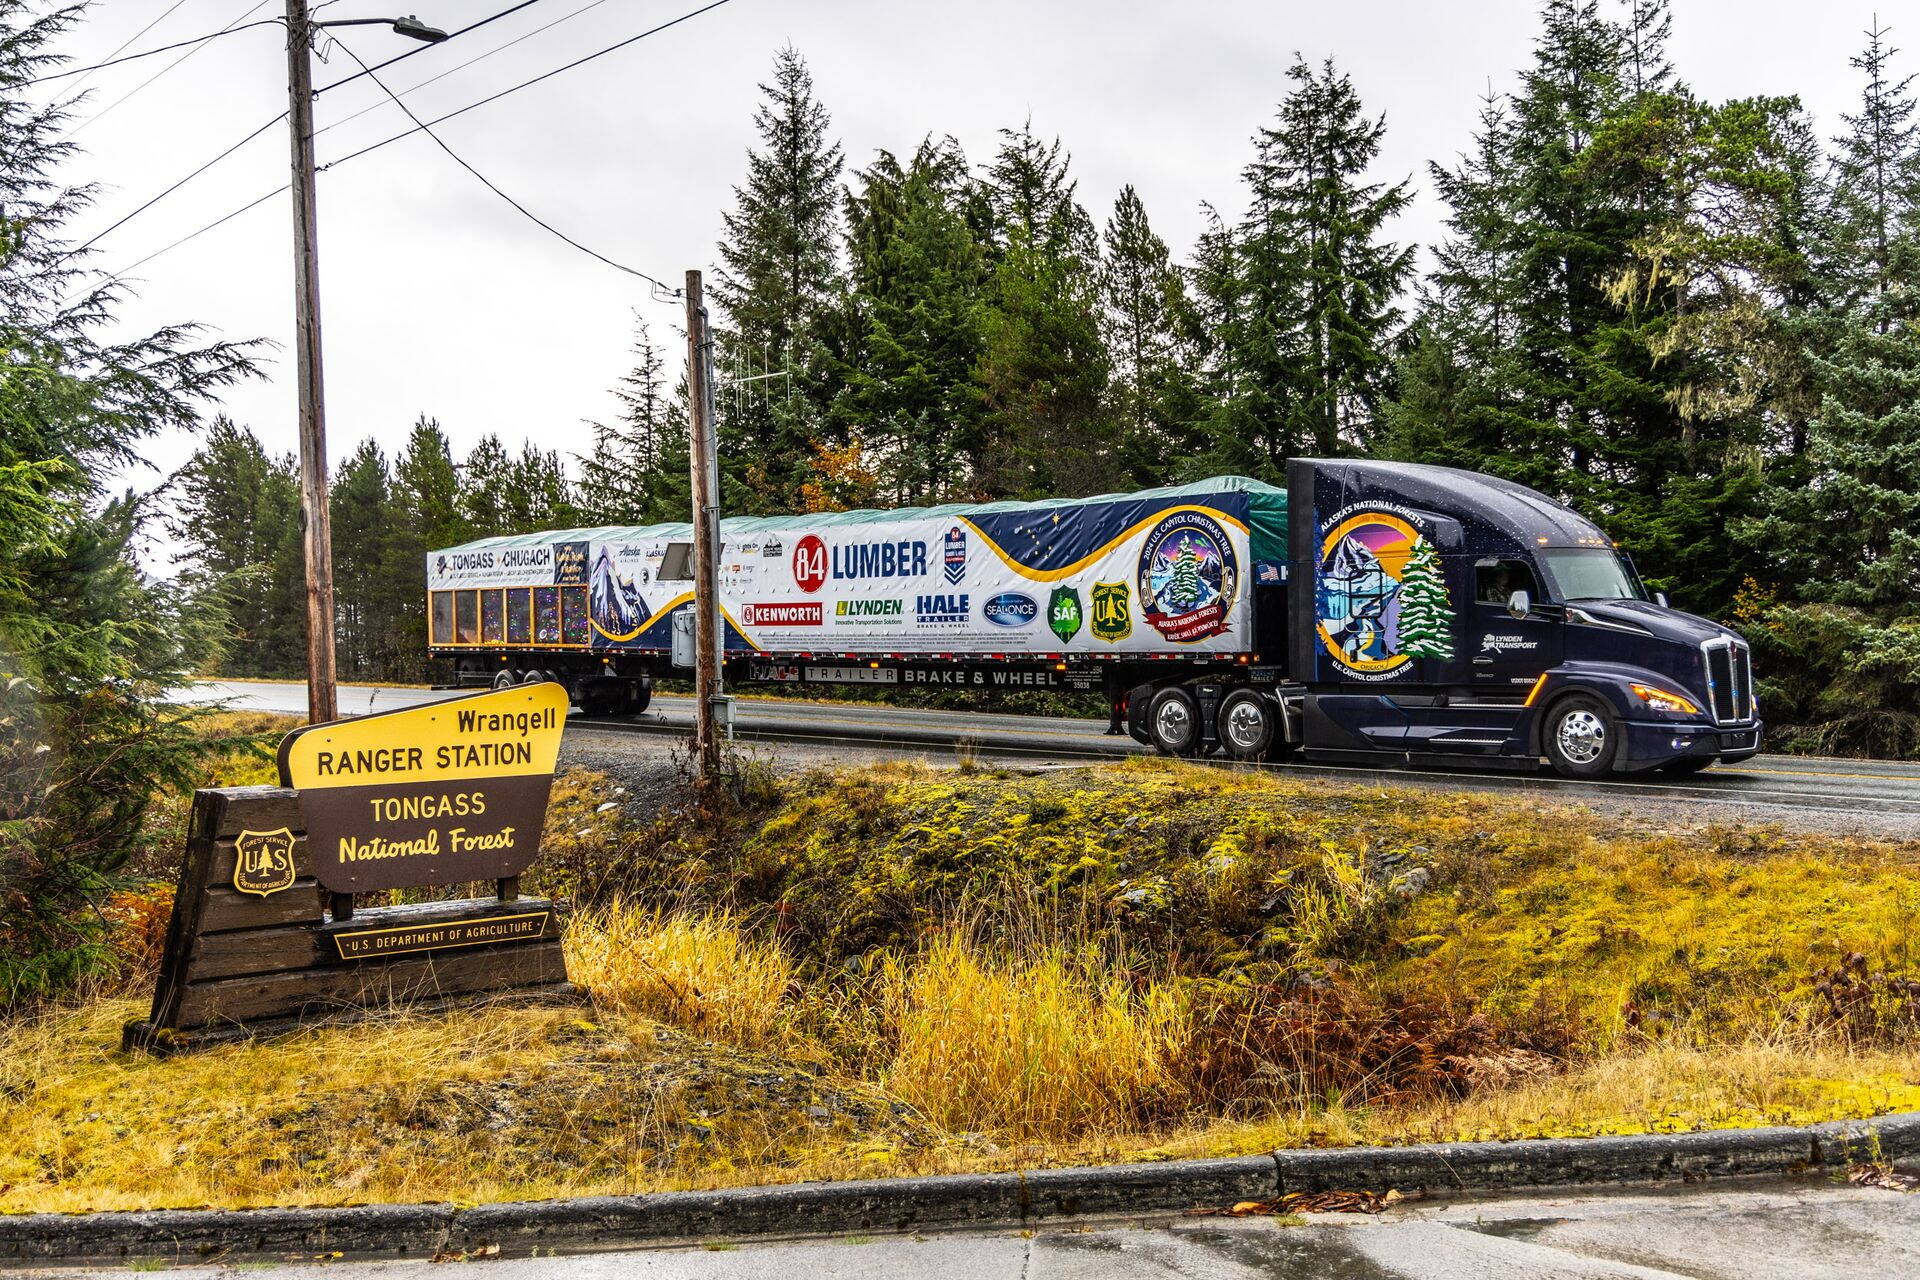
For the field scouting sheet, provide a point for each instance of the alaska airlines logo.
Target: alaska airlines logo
(1010, 609)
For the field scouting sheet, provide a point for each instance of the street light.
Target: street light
(317, 523)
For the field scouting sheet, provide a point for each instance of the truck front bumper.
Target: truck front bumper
(1650, 744)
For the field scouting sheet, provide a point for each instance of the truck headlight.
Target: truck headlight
(1664, 700)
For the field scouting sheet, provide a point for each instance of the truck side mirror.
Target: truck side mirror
(1519, 604)
(1660, 598)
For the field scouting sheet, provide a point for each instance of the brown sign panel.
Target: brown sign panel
(435, 794)
(372, 943)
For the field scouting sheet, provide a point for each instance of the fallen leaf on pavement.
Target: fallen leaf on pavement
(1309, 1202)
(1881, 1175)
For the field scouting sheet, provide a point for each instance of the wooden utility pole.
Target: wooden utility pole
(315, 521)
(706, 534)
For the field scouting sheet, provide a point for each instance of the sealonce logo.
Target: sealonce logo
(804, 613)
(810, 563)
(1010, 609)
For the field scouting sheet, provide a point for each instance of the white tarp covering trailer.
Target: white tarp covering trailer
(1006, 595)
(1404, 611)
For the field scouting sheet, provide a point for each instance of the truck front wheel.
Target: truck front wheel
(1581, 737)
(1173, 722)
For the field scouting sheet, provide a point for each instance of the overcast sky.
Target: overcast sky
(440, 298)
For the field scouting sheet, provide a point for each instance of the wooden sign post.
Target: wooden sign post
(265, 933)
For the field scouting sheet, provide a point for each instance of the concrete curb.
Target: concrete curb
(983, 1200)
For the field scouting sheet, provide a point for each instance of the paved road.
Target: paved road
(1870, 795)
(1777, 1231)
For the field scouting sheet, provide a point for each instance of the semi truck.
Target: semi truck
(1365, 612)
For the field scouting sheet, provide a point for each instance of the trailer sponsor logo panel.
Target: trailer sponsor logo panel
(1063, 613)
(810, 564)
(1010, 609)
(953, 554)
(794, 613)
(1189, 576)
(1112, 620)
(1380, 594)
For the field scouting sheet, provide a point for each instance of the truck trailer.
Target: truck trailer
(1375, 612)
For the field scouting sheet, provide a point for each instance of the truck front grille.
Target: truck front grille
(1729, 680)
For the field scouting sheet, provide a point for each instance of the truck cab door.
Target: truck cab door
(1506, 652)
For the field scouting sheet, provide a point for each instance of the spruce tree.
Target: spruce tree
(637, 471)
(427, 515)
(1043, 368)
(486, 496)
(907, 335)
(1308, 356)
(90, 646)
(776, 284)
(1874, 216)
(359, 501)
(1146, 318)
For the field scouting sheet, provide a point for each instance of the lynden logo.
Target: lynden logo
(810, 563)
(1010, 609)
(1500, 644)
(937, 609)
(954, 554)
(868, 610)
(804, 613)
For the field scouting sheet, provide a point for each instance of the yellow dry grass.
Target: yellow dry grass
(1041, 1046)
(703, 973)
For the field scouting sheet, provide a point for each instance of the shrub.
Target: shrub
(704, 973)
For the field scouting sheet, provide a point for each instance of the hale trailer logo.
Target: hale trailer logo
(802, 613)
(810, 563)
(1063, 613)
(1380, 595)
(1111, 619)
(1010, 609)
(941, 610)
(1188, 577)
(953, 554)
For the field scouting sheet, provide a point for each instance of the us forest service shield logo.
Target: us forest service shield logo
(1111, 618)
(263, 861)
(1063, 613)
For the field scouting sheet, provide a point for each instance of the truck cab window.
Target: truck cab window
(1495, 581)
(1591, 574)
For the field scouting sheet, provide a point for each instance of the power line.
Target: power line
(122, 46)
(148, 53)
(595, 4)
(98, 236)
(489, 184)
(354, 155)
(426, 126)
(122, 99)
(365, 70)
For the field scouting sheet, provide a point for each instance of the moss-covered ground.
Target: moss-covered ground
(898, 970)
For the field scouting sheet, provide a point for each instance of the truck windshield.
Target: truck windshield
(1591, 575)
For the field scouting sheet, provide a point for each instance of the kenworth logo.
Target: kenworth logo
(941, 608)
(1010, 609)
(804, 613)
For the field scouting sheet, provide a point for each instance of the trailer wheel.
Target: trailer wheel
(535, 676)
(1247, 724)
(503, 679)
(1581, 737)
(640, 697)
(1173, 722)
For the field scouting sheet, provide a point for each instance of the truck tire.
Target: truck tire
(640, 698)
(503, 679)
(1581, 737)
(535, 676)
(1249, 722)
(1173, 722)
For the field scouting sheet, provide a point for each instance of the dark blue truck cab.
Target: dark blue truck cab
(1437, 614)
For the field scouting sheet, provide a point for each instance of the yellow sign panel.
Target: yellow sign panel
(510, 733)
(443, 793)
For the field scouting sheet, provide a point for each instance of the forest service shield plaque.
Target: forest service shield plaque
(263, 861)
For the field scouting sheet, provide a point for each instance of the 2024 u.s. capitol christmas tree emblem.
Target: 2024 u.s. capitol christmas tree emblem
(1188, 576)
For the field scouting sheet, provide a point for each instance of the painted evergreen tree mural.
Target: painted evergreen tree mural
(1184, 589)
(1426, 612)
